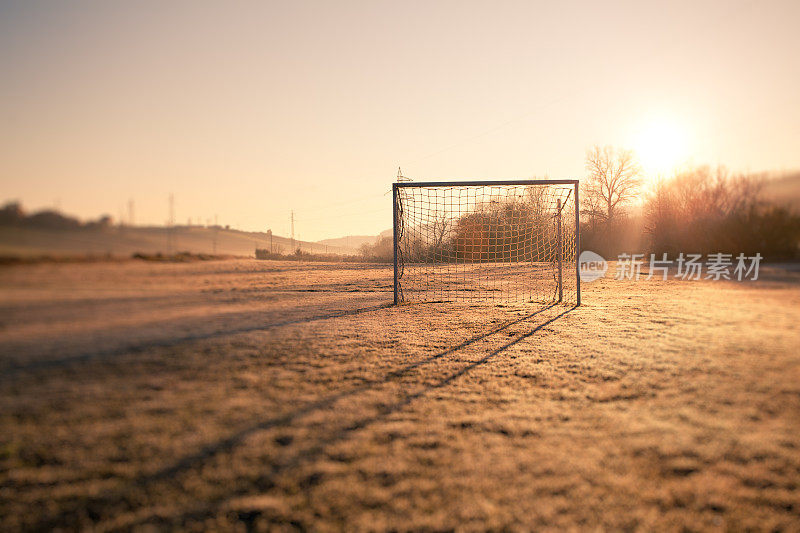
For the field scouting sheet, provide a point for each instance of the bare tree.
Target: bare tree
(613, 181)
(441, 225)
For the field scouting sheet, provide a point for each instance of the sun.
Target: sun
(661, 146)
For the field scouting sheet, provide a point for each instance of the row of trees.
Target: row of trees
(697, 210)
(12, 214)
(512, 228)
(706, 210)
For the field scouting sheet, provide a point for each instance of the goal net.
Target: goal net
(493, 242)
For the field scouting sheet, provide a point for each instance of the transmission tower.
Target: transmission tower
(400, 177)
(170, 224)
(215, 234)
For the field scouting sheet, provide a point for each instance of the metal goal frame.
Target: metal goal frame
(477, 183)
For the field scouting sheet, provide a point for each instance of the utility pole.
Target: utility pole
(215, 234)
(131, 221)
(292, 232)
(170, 223)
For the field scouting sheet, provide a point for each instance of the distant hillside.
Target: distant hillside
(354, 242)
(50, 232)
(784, 190)
(124, 241)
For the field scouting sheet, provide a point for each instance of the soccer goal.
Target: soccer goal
(487, 241)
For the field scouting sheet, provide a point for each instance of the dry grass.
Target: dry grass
(290, 396)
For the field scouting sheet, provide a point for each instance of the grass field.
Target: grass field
(293, 396)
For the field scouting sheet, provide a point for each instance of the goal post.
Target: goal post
(486, 241)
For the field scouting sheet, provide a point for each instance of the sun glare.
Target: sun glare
(661, 146)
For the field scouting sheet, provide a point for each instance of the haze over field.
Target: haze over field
(253, 110)
(293, 396)
(229, 301)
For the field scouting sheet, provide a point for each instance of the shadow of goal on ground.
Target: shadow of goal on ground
(339, 433)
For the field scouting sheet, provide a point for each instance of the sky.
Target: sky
(250, 110)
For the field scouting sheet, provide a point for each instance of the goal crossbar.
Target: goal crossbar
(486, 241)
(477, 183)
